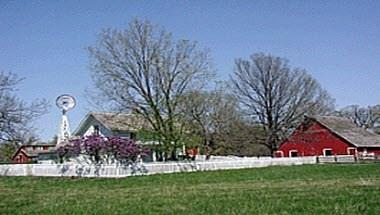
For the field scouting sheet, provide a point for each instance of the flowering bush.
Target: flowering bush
(101, 149)
(72, 149)
(62, 153)
(94, 146)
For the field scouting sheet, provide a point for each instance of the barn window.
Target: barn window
(293, 153)
(327, 152)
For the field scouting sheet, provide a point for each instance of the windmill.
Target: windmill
(65, 103)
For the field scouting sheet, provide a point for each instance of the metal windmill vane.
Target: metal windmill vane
(64, 102)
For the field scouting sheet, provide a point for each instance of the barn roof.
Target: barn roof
(349, 131)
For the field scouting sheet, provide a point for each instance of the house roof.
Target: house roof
(114, 121)
(349, 131)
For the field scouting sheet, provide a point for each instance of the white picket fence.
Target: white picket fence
(337, 159)
(116, 171)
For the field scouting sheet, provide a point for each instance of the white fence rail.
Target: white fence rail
(337, 159)
(115, 171)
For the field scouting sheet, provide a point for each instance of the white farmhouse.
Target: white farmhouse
(114, 124)
(109, 124)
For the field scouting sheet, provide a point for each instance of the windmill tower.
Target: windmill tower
(65, 103)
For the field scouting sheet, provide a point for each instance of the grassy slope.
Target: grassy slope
(310, 189)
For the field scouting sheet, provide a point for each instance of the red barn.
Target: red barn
(329, 135)
(29, 153)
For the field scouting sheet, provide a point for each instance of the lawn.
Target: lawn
(308, 189)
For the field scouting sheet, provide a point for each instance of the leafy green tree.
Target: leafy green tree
(214, 116)
(7, 150)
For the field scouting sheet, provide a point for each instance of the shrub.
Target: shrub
(101, 149)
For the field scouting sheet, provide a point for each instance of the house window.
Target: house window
(34, 148)
(293, 153)
(96, 130)
(44, 148)
(327, 152)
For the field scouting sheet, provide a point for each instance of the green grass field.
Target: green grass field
(309, 189)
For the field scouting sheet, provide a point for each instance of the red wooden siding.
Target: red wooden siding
(312, 139)
(21, 157)
(27, 153)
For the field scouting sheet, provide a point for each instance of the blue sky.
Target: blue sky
(338, 42)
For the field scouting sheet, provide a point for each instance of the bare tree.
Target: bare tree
(15, 114)
(365, 117)
(143, 69)
(276, 95)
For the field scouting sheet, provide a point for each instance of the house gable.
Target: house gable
(88, 126)
(96, 121)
